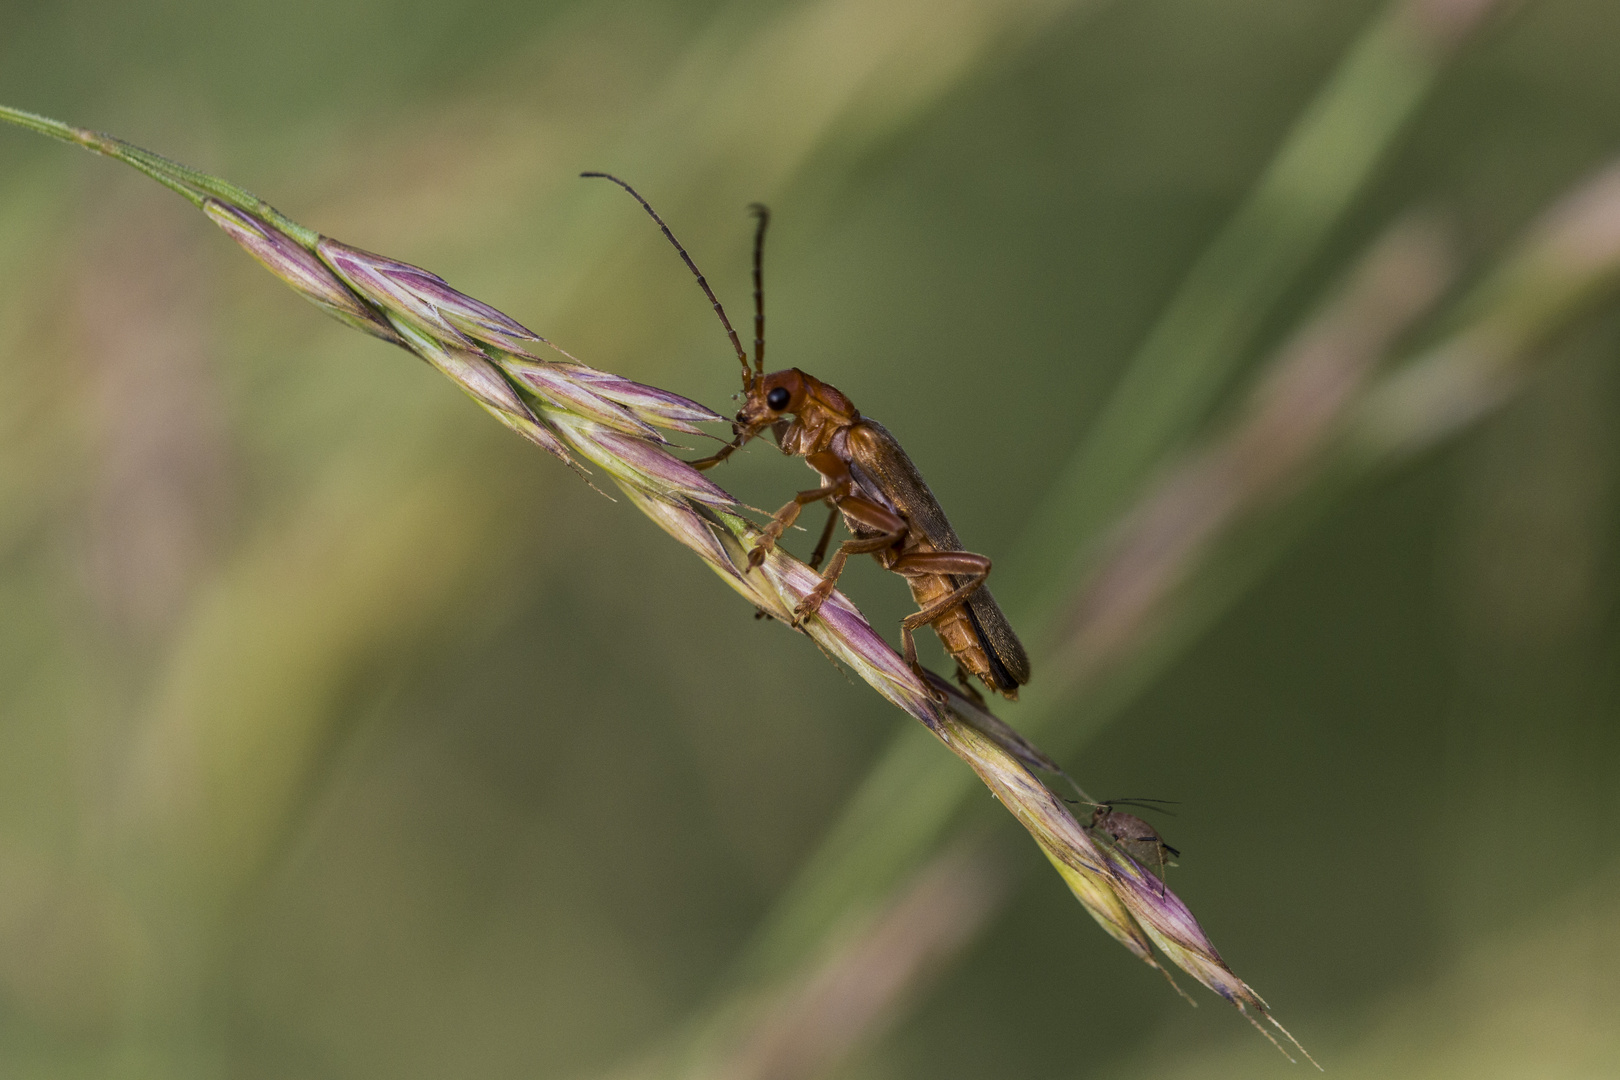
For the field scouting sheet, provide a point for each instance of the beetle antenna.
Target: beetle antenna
(763, 214)
(690, 265)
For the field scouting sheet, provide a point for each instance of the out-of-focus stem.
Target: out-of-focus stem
(864, 978)
(1208, 329)
(1568, 260)
(1162, 397)
(1290, 418)
(191, 184)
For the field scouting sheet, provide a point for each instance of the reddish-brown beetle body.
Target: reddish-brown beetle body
(868, 479)
(885, 502)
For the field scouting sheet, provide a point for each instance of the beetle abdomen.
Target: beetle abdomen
(962, 636)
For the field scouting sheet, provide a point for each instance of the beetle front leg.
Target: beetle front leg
(784, 518)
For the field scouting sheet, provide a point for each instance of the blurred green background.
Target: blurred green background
(344, 735)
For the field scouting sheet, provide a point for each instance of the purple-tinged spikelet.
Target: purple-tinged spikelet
(657, 407)
(575, 411)
(1176, 932)
(291, 262)
(476, 374)
(425, 300)
(561, 385)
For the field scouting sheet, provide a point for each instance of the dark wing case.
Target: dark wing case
(905, 487)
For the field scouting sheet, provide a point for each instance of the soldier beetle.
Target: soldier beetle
(868, 479)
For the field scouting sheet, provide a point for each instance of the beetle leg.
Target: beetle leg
(785, 517)
(963, 678)
(826, 536)
(890, 528)
(863, 546)
(718, 456)
(741, 435)
(956, 563)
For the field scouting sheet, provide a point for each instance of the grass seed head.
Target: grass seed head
(578, 412)
(297, 266)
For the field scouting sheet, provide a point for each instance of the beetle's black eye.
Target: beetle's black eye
(778, 399)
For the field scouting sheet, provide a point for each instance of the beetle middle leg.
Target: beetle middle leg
(889, 529)
(784, 518)
(826, 536)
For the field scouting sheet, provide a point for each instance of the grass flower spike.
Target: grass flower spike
(592, 418)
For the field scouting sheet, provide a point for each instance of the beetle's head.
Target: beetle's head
(770, 398)
(784, 398)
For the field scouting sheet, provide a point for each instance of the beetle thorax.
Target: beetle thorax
(812, 431)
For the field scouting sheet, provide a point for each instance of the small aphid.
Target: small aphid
(1133, 836)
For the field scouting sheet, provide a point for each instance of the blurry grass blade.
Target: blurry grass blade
(1568, 260)
(294, 264)
(1206, 331)
(1291, 417)
(842, 1001)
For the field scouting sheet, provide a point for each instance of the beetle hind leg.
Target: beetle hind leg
(976, 568)
(965, 679)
